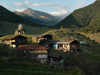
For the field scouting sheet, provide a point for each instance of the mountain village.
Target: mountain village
(42, 51)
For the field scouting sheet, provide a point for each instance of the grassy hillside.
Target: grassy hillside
(8, 28)
(95, 36)
(63, 33)
(66, 34)
(88, 17)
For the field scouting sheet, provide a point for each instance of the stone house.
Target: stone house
(14, 41)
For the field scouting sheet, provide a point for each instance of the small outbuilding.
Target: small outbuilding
(52, 57)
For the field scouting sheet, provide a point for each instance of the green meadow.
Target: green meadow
(8, 28)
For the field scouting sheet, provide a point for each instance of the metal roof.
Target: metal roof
(42, 56)
(60, 41)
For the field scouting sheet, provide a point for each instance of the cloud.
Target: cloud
(27, 2)
(79, 5)
(4, 4)
(20, 4)
(19, 10)
(59, 13)
(42, 4)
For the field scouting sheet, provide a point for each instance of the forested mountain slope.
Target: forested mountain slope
(88, 17)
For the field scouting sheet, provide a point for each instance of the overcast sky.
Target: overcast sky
(54, 7)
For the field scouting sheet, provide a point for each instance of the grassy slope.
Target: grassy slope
(7, 28)
(59, 34)
(95, 36)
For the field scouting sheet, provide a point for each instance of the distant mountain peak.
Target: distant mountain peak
(38, 17)
(29, 9)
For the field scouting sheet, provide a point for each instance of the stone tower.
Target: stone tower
(20, 30)
(20, 26)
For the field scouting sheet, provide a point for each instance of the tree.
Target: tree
(61, 27)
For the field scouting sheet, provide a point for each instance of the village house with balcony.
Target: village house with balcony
(63, 45)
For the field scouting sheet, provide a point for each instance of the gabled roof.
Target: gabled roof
(31, 47)
(60, 41)
(41, 35)
(11, 37)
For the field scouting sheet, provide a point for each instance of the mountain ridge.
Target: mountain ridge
(6, 15)
(38, 17)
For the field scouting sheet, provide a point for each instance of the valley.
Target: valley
(50, 46)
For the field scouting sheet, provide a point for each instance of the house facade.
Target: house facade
(41, 38)
(64, 45)
(14, 41)
(35, 52)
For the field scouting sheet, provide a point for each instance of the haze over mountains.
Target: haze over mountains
(38, 17)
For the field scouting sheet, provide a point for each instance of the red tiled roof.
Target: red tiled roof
(31, 47)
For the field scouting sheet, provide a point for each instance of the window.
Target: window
(24, 51)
